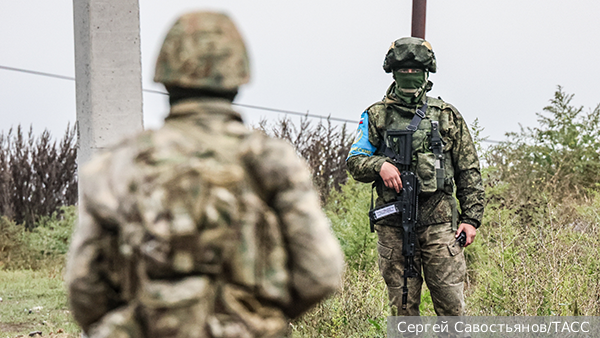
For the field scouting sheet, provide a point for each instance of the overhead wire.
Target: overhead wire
(37, 73)
(165, 93)
(62, 77)
(270, 109)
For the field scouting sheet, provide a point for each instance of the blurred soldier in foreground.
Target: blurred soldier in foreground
(203, 228)
(425, 140)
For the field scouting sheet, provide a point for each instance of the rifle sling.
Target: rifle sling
(416, 120)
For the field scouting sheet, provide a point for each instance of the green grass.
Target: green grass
(359, 309)
(34, 301)
(545, 267)
(541, 263)
(31, 267)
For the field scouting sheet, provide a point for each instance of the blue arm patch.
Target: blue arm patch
(361, 145)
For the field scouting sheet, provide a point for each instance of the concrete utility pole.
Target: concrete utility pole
(418, 18)
(108, 73)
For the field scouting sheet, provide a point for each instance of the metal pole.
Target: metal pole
(418, 18)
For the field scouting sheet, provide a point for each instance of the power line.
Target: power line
(270, 109)
(62, 77)
(38, 73)
(295, 113)
(165, 93)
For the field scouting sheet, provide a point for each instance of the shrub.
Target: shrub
(42, 247)
(558, 159)
(324, 147)
(537, 252)
(14, 253)
(37, 176)
(348, 211)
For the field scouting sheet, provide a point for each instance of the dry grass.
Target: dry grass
(548, 266)
(323, 146)
(359, 309)
(537, 252)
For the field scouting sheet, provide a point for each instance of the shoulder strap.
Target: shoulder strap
(437, 147)
(412, 127)
(416, 120)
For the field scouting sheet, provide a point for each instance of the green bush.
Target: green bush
(557, 159)
(546, 267)
(14, 251)
(538, 250)
(44, 246)
(348, 211)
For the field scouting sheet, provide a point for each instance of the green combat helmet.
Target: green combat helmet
(410, 53)
(203, 50)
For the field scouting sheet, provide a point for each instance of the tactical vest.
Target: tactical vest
(423, 158)
(391, 117)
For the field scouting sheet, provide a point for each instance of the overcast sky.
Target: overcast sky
(498, 60)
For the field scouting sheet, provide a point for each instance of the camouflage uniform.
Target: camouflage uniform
(438, 256)
(203, 228)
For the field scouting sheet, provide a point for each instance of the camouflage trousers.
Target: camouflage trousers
(438, 258)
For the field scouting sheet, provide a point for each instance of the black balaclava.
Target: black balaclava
(177, 94)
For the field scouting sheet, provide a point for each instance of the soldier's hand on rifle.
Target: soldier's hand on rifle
(469, 230)
(391, 176)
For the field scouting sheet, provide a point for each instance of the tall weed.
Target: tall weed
(44, 246)
(557, 159)
(359, 309)
(323, 146)
(348, 211)
(37, 175)
(547, 267)
(538, 249)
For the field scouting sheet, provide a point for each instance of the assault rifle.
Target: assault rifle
(399, 150)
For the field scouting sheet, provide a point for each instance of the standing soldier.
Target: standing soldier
(440, 168)
(203, 228)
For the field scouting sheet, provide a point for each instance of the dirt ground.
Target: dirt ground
(26, 331)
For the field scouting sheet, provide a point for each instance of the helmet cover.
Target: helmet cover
(203, 50)
(410, 52)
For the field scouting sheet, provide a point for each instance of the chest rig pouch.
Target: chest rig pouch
(430, 165)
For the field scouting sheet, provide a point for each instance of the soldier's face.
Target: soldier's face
(409, 70)
(409, 79)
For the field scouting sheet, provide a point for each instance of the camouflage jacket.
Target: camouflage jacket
(461, 164)
(203, 228)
